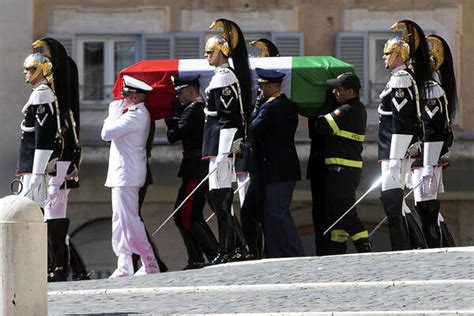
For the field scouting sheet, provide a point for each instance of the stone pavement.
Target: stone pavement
(422, 282)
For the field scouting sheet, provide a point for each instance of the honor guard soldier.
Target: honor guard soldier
(227, 108)
(187, 126)
(39, 130)
(344, 133)
(400, 128)
(274, 125)
(127, 127)
(438, 110)
(66, 88)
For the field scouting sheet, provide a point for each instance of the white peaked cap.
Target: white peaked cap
(134, 84)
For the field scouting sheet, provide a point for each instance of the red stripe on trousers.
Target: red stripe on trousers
(188, 205)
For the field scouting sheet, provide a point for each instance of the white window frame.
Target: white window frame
(373, 60)
(109, 76)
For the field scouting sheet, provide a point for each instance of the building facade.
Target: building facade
(104, 36)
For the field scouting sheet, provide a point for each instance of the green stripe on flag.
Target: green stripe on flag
(308, 81)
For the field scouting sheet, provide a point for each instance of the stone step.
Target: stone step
(422, 282)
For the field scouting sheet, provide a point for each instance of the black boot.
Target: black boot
(78, 267)
(203, 234)
(241, 252)
(57, 232)
(428, 211)
(195, 259)
(220, 201)
(338, 248)
(392, 201)
(447, 237)
(363, 245)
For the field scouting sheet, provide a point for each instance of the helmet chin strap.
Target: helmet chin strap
(34, 75)
(214, 55)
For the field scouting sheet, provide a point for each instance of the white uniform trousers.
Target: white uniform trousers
(57, 208)
(223, 177)
(390, 181)
(128, 231)
(421, 193)
(38, 194)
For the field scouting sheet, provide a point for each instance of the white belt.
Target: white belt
(382, 112)
(210, 113)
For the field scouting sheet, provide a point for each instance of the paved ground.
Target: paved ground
(423, 282)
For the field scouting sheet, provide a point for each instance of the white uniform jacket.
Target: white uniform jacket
(128, 132)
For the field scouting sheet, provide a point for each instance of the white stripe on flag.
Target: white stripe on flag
(190, 67)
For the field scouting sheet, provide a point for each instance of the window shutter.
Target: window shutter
(187, 46)
(68, 41)
(352, 47)
(289, 44)
(157, 46)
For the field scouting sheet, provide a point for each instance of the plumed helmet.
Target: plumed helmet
(414, 36)
(267, 48)
(397, 47)
(41, 64)
(442, 63)
(436, 51)
(216, 44)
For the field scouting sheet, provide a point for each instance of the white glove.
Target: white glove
(221, 158)
(35, 181)
(53, 191)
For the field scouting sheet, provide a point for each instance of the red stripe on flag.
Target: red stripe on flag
(156, 73)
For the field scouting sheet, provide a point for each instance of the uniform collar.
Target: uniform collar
(224, 65)
(401, 67)
(39, 83)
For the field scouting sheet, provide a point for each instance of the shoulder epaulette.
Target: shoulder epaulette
(433, 90)
(223, 77)
(400, 79)
(132, 108)
(40, 95)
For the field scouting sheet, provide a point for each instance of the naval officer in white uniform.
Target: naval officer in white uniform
(127, 128)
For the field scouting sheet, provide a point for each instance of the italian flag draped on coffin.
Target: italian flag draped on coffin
(304, 83)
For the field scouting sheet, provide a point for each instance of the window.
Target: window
(378, 74)
(100, 59)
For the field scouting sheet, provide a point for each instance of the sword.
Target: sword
(236, 190)
(372, 187)
(184, 201)
(385, 218)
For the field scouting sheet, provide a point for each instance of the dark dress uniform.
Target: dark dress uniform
(437, 141)
(38, 128)
(251, 213)
(197, 235)
(344, 132)
(222, 117)
(274, 125)
(316, 171)
(398, 116)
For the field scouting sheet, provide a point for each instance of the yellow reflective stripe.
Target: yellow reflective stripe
(331, 122)
(363, 234)
(340, 132)
(343, 162)
(350, 135)
(339, 235)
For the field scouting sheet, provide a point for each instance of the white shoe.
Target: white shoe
(118, 273)
(146, 270)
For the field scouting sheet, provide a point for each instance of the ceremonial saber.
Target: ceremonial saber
(184, 201)
(385, 218)
(236, 190)
(374, 185)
